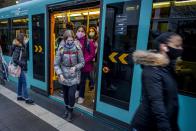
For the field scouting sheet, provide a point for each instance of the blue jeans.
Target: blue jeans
(22, 86)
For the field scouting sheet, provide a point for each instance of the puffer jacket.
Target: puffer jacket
(158, 109)
(89, 53)
(67, 57)
(17, 49)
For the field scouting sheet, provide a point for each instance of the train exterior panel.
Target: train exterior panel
(42, 11)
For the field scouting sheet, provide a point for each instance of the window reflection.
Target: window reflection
(181, 18)
(120, 39)
(4, 36)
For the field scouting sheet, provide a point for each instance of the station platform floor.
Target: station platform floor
(45, 114)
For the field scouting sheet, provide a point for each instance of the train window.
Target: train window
(182, 20)
(19, 25)
(38, 36)
(121, 29)
(4, 36)
(20, 22)
(88, 17)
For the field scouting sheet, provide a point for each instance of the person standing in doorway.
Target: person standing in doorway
(158, 110)
(68, 63)
(88, 49)
(19, 56)
(93, 36)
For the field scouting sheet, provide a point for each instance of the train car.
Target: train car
(124, 26)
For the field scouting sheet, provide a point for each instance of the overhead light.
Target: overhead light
(59, 16)
(17, 1)
(91, 13)
(161, 4)
(94, 13)
(185, 3)
(130, 8)
(3, 22)
(75, 14)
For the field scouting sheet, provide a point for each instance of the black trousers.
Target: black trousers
(84, 77)
(69, 96)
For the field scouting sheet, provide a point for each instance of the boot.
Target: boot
(66, 112)
(70, 115)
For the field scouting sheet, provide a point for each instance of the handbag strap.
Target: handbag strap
(20, 55)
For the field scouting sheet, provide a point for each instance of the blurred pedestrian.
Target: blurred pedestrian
(158, 109)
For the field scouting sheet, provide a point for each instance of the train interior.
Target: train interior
(89, 17)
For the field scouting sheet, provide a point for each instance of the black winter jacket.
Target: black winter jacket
(17, 48)
(158, 110)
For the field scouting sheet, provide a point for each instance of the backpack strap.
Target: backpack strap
(78, 46)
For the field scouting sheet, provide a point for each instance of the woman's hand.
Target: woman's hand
(106, 69)
(73, 70)
(62, 78)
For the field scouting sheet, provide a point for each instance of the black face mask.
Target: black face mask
(173, 53)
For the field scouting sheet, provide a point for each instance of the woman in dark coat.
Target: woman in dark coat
(19, 56)
(158, 110)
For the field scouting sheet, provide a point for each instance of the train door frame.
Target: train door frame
(64, 6)
(108, 111)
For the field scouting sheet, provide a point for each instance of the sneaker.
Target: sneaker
(20, 99)
(77, 94)
(80, 100)
(29, 101)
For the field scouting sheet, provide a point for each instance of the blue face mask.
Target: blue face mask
(69, 43)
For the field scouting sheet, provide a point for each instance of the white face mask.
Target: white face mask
(26, 40)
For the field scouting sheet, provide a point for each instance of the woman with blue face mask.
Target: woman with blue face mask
(158, 109)
(68, 63)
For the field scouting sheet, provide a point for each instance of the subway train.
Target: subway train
(124, 26)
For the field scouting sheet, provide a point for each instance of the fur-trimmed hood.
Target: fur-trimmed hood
(149, 58)
(16, 43)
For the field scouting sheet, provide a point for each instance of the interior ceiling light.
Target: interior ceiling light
(91, 13)
(185, 3)
(79, 14)
(161, 4)
(4, 22)
(17, 2)
(176, 3)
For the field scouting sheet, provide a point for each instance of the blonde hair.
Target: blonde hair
(68, 33)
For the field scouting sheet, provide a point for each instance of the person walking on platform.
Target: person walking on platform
(158, 109)
(19, 57)
(68, 63)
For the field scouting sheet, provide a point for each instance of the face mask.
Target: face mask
(80, 35)
(173, 53)
(91, 34)
(69, 43)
